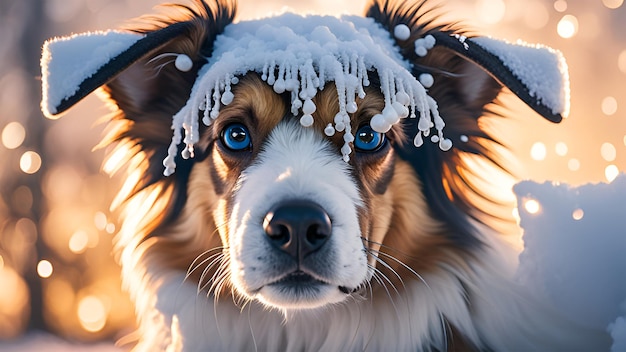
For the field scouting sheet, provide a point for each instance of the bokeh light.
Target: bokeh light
(92, 313)
(609, 106)
(567, 26)
(30, 162)
(44, 269)
(578, 214)
(612, 4)
(573, 164)
(532, 206)
(608, 151)
(611, 172)
(13, 135)
(78, 242)
(14, 303)
(561, 149)
(621, 61)
(538, 151)
(560, 5)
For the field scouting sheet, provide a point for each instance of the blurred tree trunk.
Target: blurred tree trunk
(25, 25)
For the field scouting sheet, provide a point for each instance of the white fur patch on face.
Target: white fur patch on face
(296, 164)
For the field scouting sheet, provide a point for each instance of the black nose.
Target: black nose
(298, 227)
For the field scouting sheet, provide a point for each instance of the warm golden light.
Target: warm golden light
(30, 162)
(608, 151)
(92, 313)
(532, 206)
(13, 135)
(613, 4)
(560, 5)
(567, 26)
(44, 269)
(110, 228)
(536, 15)
(490, 11)
(573, 164)
(561, 149)
(578, 214)
(14, 304)
(78, 242)
(609, 106)
(621, 61)
(1, 262)
(100, 220)
(538, 151)
(611, 172)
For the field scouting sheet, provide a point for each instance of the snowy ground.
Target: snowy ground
(575, 246)
(575, 241)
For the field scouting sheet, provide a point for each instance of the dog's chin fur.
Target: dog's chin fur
(411, 263)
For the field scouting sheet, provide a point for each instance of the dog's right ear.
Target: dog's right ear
(74, 66)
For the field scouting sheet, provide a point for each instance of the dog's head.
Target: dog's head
(311, 157)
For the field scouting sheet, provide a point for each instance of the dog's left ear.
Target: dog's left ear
(536, 74)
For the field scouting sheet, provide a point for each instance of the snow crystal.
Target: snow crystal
(299, 55)
(543, 70)
(77, 58)
(578, 265)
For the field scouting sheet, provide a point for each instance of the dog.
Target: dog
(309, 182)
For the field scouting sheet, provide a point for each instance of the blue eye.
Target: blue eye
(236, 137)
(368, 140)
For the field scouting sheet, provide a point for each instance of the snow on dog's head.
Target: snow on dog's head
(283, 161)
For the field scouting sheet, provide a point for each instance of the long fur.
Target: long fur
(435, 266)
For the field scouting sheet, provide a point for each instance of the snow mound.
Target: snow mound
(575, 246)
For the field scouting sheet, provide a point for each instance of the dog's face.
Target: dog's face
(301, 228)
(277, 205)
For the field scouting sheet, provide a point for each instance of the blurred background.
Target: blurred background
(57, 274)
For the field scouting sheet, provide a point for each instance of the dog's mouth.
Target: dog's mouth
(300, 289)
(298, 279)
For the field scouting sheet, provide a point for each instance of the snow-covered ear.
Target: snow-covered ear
(536, 74)
(74, 66)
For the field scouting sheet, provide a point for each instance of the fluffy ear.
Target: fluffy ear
(465, 74)
(147, 73)
(74, 66)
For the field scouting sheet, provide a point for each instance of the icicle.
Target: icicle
(309, 107)
(418, 141)
(345, 58)
(329, 130)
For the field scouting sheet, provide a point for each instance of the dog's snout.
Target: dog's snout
(297, 227)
